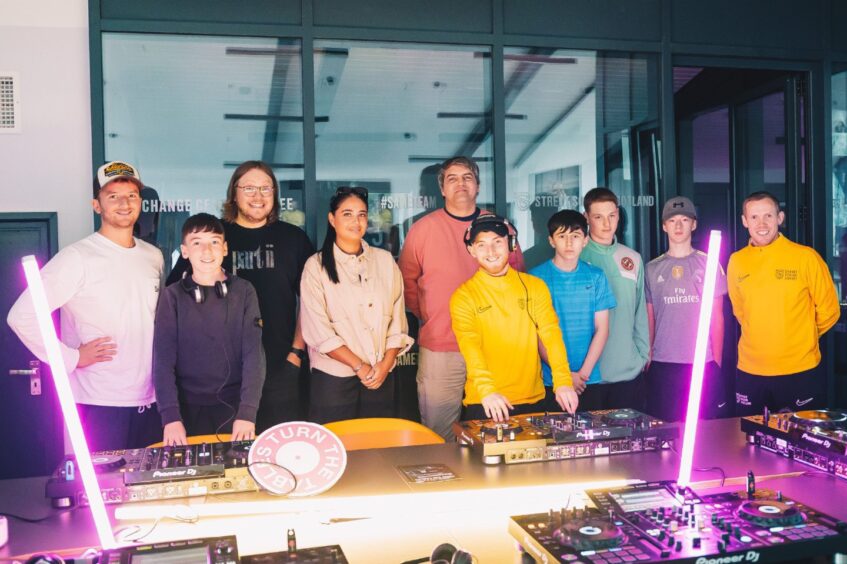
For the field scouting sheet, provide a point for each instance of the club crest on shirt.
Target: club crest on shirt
(677, 272)
(785, 274)
(522, 303)
(627, 264)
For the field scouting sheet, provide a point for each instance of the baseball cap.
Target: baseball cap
(678, 205)
(116, 170)
(485, 223)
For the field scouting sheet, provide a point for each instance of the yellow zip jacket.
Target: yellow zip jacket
(498, 336)
(784, 298)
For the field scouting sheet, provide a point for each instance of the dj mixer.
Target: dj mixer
(157, 473)
(658, 522)
(559, 436)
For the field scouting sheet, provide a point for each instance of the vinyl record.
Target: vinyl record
(770, 513)
(590, 534)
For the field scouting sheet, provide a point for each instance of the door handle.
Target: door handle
(34, 373)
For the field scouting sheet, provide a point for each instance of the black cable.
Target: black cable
(526, 293)
(707, 469)
(263, 488)
(34, 519)
(232, 409)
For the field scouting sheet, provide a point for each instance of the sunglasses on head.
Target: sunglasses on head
(348, 190)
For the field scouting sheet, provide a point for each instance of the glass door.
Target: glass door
(740, 131)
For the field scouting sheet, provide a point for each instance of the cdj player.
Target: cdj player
(157, 473)
(656, 521)
(560, 436)
(816, 437)
(217, 550)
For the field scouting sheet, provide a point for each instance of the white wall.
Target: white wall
(47, 166)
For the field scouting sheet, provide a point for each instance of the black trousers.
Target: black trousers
(336, 398)
(668, 384)
(281, 399)
(115, 428)
(476, 411)
(792, 392)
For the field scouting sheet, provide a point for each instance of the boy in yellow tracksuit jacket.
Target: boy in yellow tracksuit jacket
(498, 317)
(784, 298)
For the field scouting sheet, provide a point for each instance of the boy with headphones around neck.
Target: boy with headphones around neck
(208, 360)
(498, 317)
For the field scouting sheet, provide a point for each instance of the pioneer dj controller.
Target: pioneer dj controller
(656, 521)
(217, 550)
(559, 436)
(817, 438)
(157, 473)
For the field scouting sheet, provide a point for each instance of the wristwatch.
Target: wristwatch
(301, 354)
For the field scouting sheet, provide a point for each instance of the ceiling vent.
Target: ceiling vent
(10, 102)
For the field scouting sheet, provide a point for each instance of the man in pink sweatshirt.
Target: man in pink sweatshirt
(435, 262)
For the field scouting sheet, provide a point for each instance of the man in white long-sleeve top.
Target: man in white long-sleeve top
(106, 286)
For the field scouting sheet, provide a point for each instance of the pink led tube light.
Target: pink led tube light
(696, 390)
(66, 399)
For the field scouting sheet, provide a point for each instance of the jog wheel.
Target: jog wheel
(591, 534)
(822, 418)
(107, 462)
(628, 417)
(770, 513)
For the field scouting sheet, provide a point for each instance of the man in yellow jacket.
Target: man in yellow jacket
(784, 298)
(498, 317)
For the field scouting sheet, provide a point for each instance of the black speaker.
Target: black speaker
(198, 292)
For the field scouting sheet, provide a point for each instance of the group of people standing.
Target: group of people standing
(222, 347)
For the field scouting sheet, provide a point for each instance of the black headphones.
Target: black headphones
(199, 292)
(491, 220)
(448, 554)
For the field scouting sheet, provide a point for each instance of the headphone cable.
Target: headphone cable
(526, 293)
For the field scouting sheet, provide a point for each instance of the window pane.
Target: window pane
(576, 120)
(186, 110)
(839, 181)
(386, 115)
(838, 260)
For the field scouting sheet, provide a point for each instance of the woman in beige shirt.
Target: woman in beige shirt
(353, 317)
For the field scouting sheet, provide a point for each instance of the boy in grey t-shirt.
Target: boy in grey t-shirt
(674, 285)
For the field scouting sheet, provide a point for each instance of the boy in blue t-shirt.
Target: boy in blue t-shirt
(582, 299)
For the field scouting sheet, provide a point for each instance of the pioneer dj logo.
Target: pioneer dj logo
(817, 440)
(174, 473)
(749, 556)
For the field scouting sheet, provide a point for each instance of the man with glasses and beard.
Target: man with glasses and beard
(270, 254)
